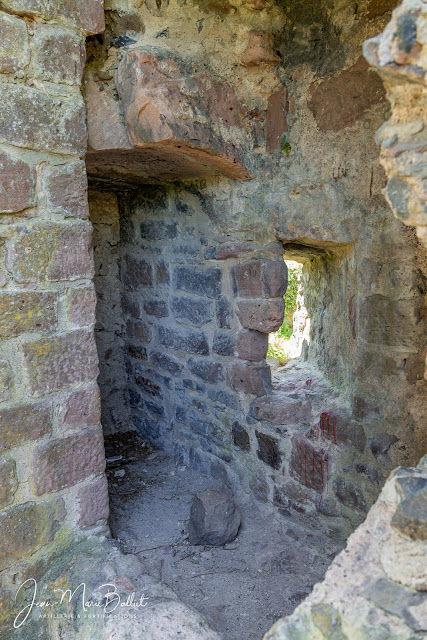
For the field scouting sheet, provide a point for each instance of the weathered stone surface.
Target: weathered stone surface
(349, 494)
(260, 50)
(156, 308)
(57, 362)
(268, 450)
(250, 378)
(380, 446)
(187, 340)
(240, 436)
(155, 91)
(158, 230)
(33, 119)
(59, 55)
(64, 462)
(341, 429)
(93, 503)
(162, 273)
(81, 303)
(201, 282)
(261, 279)
(17, 185)
(214, 518)
(81, 408)
(368, 471)
(276, 123)
(23, 423)
(9, 480)
(224, 343)
(207, 370)
(310, 464)
(192, 310)
(139, 330)
(372, 603)
(280, 409)
(51, 251)
(6, 379)
(138, 273)
(164, 361)
(410, 517)
(251, 345)
(27, 527)
(15, 51)
(340, 101)
(23, 311)
(87, 15)
(224, 313)
(385, 321)
(265, 316)
(65, 189)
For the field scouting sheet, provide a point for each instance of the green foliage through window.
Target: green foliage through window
(277, 347)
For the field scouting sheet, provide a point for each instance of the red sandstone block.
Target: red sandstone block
(9, 480)
(58, 55)
(37, 120)
(250, 378)
(81, 305)
(23, 423)
(51, 251)
(57, 362)
(23, 311)
(87, 15)
(65, 189)
(27, 527)
(93, 503)
(261, 315)
(17, 184)
(15, 51)
(64, 462)
(310, 464)
(251, 345)
(261, 279)
(276, 123)
(81, 408)
(279, 409)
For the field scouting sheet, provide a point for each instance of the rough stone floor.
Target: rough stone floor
(242, 588)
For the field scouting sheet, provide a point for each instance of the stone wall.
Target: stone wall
(51, 445)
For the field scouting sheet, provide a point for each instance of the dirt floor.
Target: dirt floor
(241, 588)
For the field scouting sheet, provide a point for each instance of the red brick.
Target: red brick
(23, 423)
(64, 462)
(81, 408)
(251, 345)
(51, 251)
(57, 362)
(23, 311)
(94, 504)
(250, 378)
(261, 315)
(65, 189)
(17, 184)
(81, 305)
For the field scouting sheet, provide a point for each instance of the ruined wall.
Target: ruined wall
(52, 456)
(305, 110)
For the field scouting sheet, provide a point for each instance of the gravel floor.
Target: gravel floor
(241, 588)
